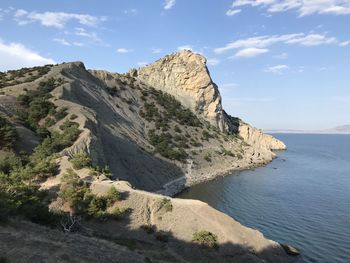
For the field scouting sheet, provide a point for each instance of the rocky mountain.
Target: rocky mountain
(159, 128)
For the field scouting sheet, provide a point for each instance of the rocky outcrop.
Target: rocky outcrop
(255, 137)
(185, 76)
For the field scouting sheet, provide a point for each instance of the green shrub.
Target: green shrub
(228, 152)
(206, 135)
(239, 156)
(164, 146)
(165, 204)
(75, 192)
(112, 196)
(61, 113)
(9, 162)
(177, 129)
(73, 116)
(80, 160)
(205, 238)
(8, 133)
(82, 201)
(22, 199)
(207, 157)
(57, 142)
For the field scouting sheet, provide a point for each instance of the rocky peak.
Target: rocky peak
(185, 76)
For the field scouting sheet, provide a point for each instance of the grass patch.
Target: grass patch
(205, 239)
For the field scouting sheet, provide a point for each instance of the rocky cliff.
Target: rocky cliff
(160, 128)
(185, 76)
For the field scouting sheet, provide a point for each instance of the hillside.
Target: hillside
(72, 136)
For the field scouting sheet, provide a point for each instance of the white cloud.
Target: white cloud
(84, 33)
(266, 41)
(312, 40)
(16, 55)
(65, 42)
(124, 50)
(55, 19)
(282, 56)
(156, 50)
(344, 43)
(142, 63)
(168, 4)
(213, 61)
(250, 52)
(278, 69)
(130, 11)
(302, 7)
(232, 12)
(62, 41)
(185, 47)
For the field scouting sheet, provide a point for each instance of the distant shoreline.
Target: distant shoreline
(306, 132)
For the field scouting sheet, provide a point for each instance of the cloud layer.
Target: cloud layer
(302, 7)
(55, 19)
(254, 46)
(16, 55)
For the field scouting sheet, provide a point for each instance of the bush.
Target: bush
(80, 160)
(57, 142)
(82, 201)
(22, 199)
(205, 238)
(9, 162)
(206, 135)
(165, 204)
(61, 113)
(113, 195)
(207, 157)
(177, 129)
(164, 146)
(8, 133)
(73, 116)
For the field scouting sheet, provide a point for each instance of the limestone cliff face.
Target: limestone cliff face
(258, 139)
(185, 76)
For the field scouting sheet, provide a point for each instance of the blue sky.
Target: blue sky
(278, 63)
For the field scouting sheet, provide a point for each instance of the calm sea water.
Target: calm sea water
(301, 198)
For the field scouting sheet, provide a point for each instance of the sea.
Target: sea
(302, 198)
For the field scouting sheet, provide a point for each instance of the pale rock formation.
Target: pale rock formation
(185, 76)
(255, 137)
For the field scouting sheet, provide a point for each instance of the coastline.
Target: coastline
(176, 186)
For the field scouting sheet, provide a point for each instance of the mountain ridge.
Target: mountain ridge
(151, 141)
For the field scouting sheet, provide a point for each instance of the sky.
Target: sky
(279, 64)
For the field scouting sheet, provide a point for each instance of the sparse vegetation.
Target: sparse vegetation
(205, 239)
(207, 157)
(73, 117)
(82, 201)
(60, 114)
(23, 75)
(37, 105)
(80, 160)
(165, 205)
(8, 133)
(164, 146)
(57, 141)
